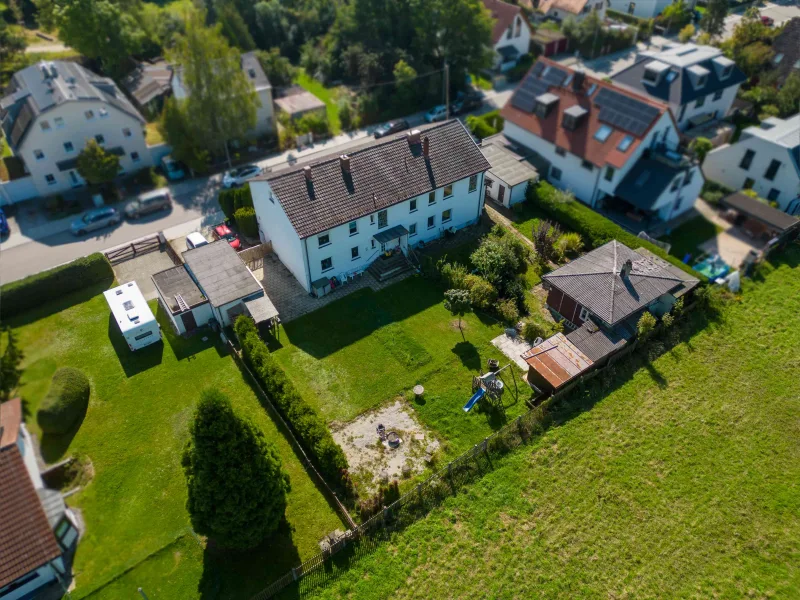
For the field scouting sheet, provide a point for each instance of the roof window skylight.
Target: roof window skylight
(603, 133)
(625, 143)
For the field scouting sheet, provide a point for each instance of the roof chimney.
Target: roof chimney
(344, 162)
(426, 147)
(627, 267)
(413, 137)
(307, 173)
(577, 80)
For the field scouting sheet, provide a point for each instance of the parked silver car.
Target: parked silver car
(240, 176)
(147, 203)
(94, 219)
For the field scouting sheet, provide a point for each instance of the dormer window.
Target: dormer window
(650, 76)
(573, 117)
(777, 60)
(654, 71)
(726, 72)
(701, 81)
(544, 104)
(698, 76)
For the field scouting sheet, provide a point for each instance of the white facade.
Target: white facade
(717, 105)
(352, 250)
(136, 321)
(517, 36)
(749, 162)
(644, 9)
(511, 195)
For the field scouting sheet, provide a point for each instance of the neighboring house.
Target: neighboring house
(337, 215)
(697, 82)
(765, 159)
(149, 85)
(49, 112)
(786, 47)
(759, 220)
(507, 180)
(37, 531)
(213, 284)
(511, 33)
(560, 10)
(645, 9)
(265, 115)
(615, 150)
(297, 102)
(600, 297)
(549, 42)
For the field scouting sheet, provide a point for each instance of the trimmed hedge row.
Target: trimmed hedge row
(235, 198)
(18, 296)
(246, 221)
(595, 229)
(66, 401)
(306, 424)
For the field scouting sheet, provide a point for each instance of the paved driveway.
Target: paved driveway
(780, 11)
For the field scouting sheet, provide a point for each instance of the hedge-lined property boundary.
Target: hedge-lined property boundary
(303, 420)
(595, 229)
(19, 296)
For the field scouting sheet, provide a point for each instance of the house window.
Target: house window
(135, 157)
(127, 132)
(447, 215)
(272, 198)
(773, 195)
(38, 155)
(326, 264)
(677, 204)
(603, 133)
(610, 173)
(473, 183)
(587, 165)
(383, 219)
(412, 230)
(431, 222)
(772, 169)
(100, 138)
(141, 336)
(431, 198)
(726, 72)
(688, 179)
(778, 58)
(700, 101)
(59, 122)
(625, 143)
(584, 313)
(701, 81)
(749, 183)
(560, 151)
(509, 33)
(683, 112)
(103, 113)
(50, 179)
(448, 190)
(324, 240)
(676, 183)
(45, 125)
(518, 30)
(487, 182)
(354, 252)
(372, 243)
(598, 7)
(353, 227)
(555, 173)
(717, 95)
(747, 160)
(68, 147)
(89, 114)
(631, 8)
(372, 219)
(412, 206)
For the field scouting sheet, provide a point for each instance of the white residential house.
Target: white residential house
(645, 9)
(615, 150)
(338, 215)
(38, 530)
(265, 115)
(51, 110)
(511, 33)
(561, 10)
(698, 82)
(765, 159)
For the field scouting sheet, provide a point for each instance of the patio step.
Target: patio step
(386, 268)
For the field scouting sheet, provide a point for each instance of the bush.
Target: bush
(235, 198)
(536, 326)
(453, 275)
(485, 125)
(507, 311)
(569, 244)
(645, 326)
(713, 192)
(685, 34)
(304, 421)
(65, 403)
(18, 296)
(594, 228)
(482, 294)
(246, 221)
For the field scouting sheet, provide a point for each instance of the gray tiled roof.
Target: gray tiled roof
(597, 343)
(177, 282)
(509, 167)
(643, 185)
(594, 281)
(220, 273)
(384, 172)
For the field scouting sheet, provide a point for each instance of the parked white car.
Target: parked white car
(240, 175)
(195, 240)
(437, 113)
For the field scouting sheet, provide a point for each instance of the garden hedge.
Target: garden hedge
(66, 401)
(595, 229)
(304, 421)
(235, 198)
(246, 221)
(18, 296)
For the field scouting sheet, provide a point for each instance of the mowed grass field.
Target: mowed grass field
(676, 477)
(134, 433)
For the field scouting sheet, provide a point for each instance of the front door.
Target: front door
(501, 194)
(189, 323)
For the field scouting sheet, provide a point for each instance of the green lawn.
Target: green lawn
(676, 478)
(687, 238)
(134, 433)
(307, 82)
(369, 347)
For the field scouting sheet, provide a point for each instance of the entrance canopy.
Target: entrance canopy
(261, 309)
(393, 233)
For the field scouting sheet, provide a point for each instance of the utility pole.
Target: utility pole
(447, 90)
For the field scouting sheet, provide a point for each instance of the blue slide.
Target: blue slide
(474, 400)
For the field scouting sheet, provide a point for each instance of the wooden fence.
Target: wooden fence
(254, 257)
(143, 245)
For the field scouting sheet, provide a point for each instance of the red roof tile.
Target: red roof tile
(573, 6)
(557, 359)
(581, 142)
(503, 14)
(10, 419)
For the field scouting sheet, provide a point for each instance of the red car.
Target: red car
(223, 232)
(768, 21)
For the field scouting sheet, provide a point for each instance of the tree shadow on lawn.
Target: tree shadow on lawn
(241, 574)
(187, 347)
(132, 362)
(60, 304)
(468, 354)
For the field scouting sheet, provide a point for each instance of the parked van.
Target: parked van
(136, 321)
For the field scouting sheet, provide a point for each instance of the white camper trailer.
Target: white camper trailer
(134, 317)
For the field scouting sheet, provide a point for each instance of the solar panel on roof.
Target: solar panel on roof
(538, 68)
(625, 112)
(523, 100)
(554, 76)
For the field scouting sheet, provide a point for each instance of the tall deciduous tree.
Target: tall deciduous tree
(713, 20)
(237, 487)
(96, 165)
(221, 104)
(11, 43)
(176, 128)
(10, 361)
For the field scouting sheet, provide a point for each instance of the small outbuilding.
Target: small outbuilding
(300, 103)
(759, 220)
(507, 181)
(136, 321)
(182, 300)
